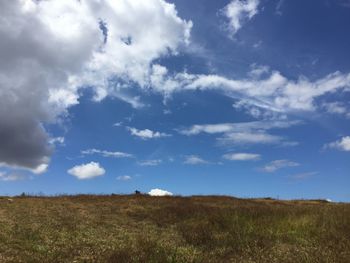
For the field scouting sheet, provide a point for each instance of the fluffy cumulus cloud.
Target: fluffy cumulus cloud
(343, 144)
(101, 44)
(87, 171)
(159, 192)
(147, 134)
(278, 164)
(245, 132)
(194, 160)
(105, 153)
(241, 156)
(240, 11)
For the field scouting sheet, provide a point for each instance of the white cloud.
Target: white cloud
(42, 168)
(343, 144)
(57, 140)
(133, 44)
(124, 178)
(250, 138)
(150, 162)
(11, 177)
(241, 156)
(336, 108)
(159, 192)
(87, 171)
(194, 159)
(207, 128)
(267, 90)
(51, 49)
(244, 132)
(134, 101)
(257, 110)
(240, 11)
(107, 153)
(118, 124)
(41, 74)
(147, 134)
(278, 164)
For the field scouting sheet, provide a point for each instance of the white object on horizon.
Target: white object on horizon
(159, 192)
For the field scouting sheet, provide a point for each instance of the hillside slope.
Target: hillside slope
(172, 229)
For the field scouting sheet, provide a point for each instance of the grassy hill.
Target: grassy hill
(172, 229)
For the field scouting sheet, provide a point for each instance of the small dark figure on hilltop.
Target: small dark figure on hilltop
(137, 192)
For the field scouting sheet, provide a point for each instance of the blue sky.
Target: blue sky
(244, 98)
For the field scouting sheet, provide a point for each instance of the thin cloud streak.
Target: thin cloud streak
(105, 153)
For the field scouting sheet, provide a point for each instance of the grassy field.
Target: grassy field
(172, 229)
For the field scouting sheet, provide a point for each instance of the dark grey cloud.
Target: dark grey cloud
(23, 143)
(50, 49)
(31, 73)
(23, 140)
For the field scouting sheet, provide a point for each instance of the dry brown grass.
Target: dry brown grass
(120, 228)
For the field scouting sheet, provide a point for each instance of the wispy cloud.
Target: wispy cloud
(124, 178)
(278, 164)
(150, 162)
(134, 101)
(241, 156)
(244, 132)
(107, 153)
(40, 169)
(147, 134)
(249, 138)
(57, 140)
(11, 177)
(344, 3)
(336, 108)
(237, 127)
(279, 5)
(302, 176)
(270, 91)
(118, 124)
(194, 160)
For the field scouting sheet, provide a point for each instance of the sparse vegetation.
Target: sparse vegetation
(140, 228)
